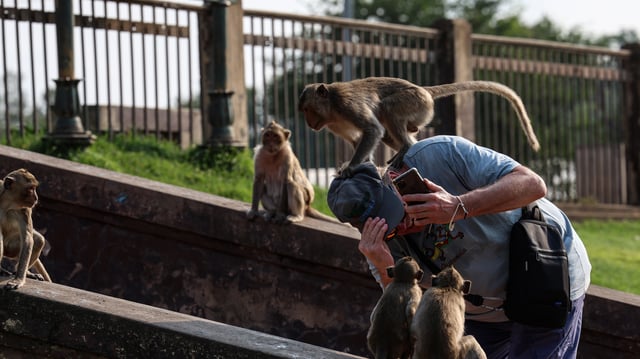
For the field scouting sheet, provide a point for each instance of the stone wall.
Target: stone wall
(196, 254)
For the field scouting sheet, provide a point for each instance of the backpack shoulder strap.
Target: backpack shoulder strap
(532, 211)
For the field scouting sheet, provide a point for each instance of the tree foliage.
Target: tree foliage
(493, 17)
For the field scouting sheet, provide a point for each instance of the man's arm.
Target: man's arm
(515, 189)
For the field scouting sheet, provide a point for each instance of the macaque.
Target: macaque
(438, 325)
(367, 111)
(18, 239)
(279, 183)
(389, 335)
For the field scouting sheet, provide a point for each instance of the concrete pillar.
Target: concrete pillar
(454, 114)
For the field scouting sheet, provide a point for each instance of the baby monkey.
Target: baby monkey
(438, 326)
(389, 336)
(367, 111)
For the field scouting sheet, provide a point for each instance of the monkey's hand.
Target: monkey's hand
(14, 284)
(346, 171)
(252, 214)
(36, 276)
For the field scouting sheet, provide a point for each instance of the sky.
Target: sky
(589, 15)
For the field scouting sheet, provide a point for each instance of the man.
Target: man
(465, 221)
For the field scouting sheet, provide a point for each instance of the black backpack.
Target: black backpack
(538, 282)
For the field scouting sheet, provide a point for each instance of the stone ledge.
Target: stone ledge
(88, 323)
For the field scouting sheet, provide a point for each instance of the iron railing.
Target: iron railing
(140, 68)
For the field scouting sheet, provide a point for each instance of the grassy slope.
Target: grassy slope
(614, 247)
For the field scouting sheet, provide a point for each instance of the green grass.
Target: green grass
(613, 246)
(614, 251)
(224, 172)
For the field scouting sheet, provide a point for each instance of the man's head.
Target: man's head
(364, 195)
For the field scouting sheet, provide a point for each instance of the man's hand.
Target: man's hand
(373, 246)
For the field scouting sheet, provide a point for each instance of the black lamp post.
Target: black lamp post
(68, 128)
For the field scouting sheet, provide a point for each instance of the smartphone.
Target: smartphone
(410, 182)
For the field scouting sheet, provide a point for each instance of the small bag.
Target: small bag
(538, 283)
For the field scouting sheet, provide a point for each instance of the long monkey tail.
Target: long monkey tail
(495, 88)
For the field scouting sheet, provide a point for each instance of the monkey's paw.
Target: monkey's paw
(13, 284)
(36, 276)
(252, 214)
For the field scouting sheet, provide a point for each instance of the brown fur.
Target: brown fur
(389, 336)
(19, 240)
(279, 183)
(367, 111)
(438, 326)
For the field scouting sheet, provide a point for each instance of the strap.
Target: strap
(532, 211)
(433, 268)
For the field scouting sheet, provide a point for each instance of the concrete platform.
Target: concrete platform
(51, 320)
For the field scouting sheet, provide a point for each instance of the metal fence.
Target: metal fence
(574, 94)
(140, 67)
(138, 62)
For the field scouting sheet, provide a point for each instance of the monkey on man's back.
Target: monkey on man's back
(279, 182)
(367, 111)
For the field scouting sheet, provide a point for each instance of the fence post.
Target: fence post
(633, 123)
(68, 128)
(454, 114)
(221, 40)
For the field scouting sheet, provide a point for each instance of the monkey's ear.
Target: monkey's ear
(8, 182)
(390, 272)
(419, 275)
(322, 91)
(287, 134)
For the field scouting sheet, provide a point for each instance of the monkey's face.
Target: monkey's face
(272, 141)
(21, 186)
(314, 104)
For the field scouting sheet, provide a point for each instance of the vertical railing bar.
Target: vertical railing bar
(179, 92)
(253, 121)
(19, 74)
(274, 75)
(168, 72)
(144, 76)
(108, 72)
(120, 65)
(190, 72)
(285, 75)
(84, 71)
(95, 63)
(46, 76)
(134, 126)
(33, 75)
(156, 72)
(264, 76)
(5, 81)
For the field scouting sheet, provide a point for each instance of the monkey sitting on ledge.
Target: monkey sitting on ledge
(279, 183)
(18, 239)
(367, 111)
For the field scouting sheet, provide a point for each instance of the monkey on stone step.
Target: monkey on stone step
(438, 325)
(367, 111)
(18, 239)
(279, 183)
(389, 335)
